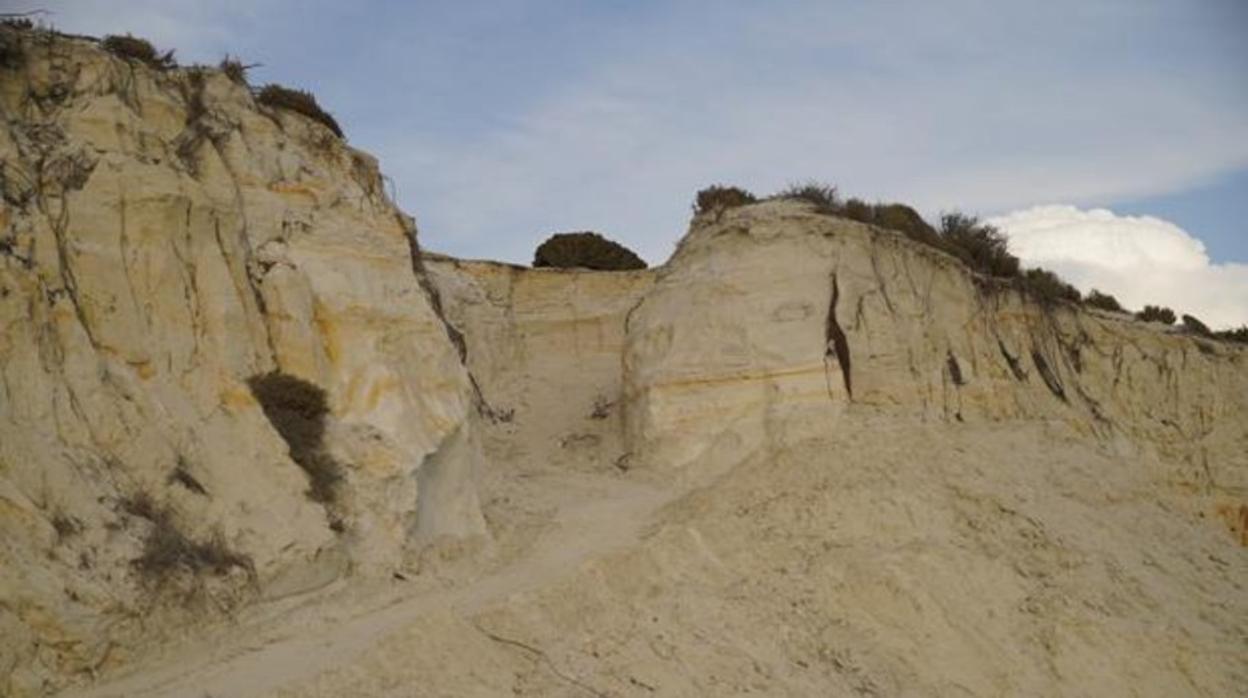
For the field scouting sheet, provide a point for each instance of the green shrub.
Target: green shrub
(981, 246)
(1156, 313)
(298, 101)
(1104, 301)
(134, 48)
(297, 410)
(1239, 334)
(720, 198)
(588, 250)
(822, 196)
(905, 219)
(1195, 326)
(1047, 287)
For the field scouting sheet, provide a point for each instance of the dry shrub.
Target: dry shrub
(588, 250)
(1104, 301)
(1048, 288)
(721, 198)
(981, 246)
(1157, 313)
(298, 101)
(1239, 334)
(134, 48)
(234, 70)
(297, 410)
(1193, 325)
(822, 196)
(12, 56)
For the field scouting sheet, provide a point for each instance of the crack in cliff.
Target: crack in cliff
(1050, 378)
(835, 343)
(456, 337)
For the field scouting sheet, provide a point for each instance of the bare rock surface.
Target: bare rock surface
(805, 456)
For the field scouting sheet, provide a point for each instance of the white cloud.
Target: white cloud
(1139, 259)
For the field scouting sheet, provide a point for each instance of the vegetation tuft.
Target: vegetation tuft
(167, 549)
(1156, 313)
(1193, 325)
(1104, 301)
(297, 410)
(588, 250)
(11, 54)
(1047, 288)
(721, 198)
(235, 70)
(134, 48)
(1239, 334)
(298, 101)
(822, 196)
(981, 246)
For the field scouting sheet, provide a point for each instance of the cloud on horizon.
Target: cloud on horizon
(1141, 260)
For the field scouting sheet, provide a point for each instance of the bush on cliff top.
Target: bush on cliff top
(719, 198)
(822, 196)
(981, 246)
(1104, 301)
(298, 101)
(588, 250)
(134, 48)
(1156, 313)
(1047, 288)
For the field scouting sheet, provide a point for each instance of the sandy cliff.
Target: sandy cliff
(164, 240)
(803, 457)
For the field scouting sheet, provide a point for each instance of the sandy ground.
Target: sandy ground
(891, 558)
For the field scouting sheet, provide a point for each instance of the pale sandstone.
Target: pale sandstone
(680, 494)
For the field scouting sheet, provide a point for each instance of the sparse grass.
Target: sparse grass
(1104, 301)
(167, 549)
(1156, 313)
(822, 196)
(65, 526)
(234, 70)
(142, 505)
(298, 101)
(720, 198)
(587, 250)
(297, 410)
(134, 48)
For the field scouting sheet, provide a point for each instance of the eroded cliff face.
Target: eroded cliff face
(774, 315)
(803, 457)
(162, 240)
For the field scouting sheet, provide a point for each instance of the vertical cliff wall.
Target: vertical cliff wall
(164, 239)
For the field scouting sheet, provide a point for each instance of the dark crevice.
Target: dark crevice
(1050, 379)
(1015, 367)
(835, 344)
(487, 411)
(955, 370)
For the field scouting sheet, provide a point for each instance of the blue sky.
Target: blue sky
(502, 122)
